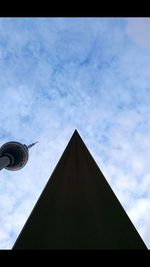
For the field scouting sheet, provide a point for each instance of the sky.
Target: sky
(62, 74)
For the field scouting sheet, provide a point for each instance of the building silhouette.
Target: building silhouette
(78, 209)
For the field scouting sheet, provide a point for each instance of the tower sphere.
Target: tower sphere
(18, 154)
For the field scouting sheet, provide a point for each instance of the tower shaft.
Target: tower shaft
(4, 162)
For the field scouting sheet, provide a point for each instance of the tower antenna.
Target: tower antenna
(29, 146)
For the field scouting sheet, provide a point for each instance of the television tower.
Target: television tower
(14, 155)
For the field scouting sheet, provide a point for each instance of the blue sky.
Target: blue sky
(62, 74)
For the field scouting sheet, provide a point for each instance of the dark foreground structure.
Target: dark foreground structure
(78, 209)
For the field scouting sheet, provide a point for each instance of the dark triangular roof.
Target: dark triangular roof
(77, 209)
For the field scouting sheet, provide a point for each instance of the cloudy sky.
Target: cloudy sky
(62, 74)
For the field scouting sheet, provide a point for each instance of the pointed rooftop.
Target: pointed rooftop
(78, 209)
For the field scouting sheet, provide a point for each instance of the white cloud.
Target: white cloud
(99, 85)
(139, 30)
